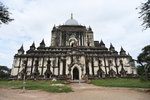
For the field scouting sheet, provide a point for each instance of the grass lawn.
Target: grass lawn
(122, 82)
(37, 85)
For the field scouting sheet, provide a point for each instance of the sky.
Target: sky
(113, 21)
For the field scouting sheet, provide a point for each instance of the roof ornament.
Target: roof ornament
(122, 50)
(42, 44)
(128, 54)
(71, 21)
(111, 48)
(21, 48)
(90, 29)
(33, 45)
(54, 27)
(71, 15)
(101, 42)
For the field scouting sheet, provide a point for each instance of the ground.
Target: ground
(82, 91)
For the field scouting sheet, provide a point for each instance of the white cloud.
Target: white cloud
(114, 21)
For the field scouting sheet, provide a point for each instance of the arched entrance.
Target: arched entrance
(75, 74)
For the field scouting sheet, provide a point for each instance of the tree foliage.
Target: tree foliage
(140, 70)
(144, 60)
(4, 14)
(144, 57)
(145, 14)
(4, 72)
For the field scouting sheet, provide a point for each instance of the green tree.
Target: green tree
(140, 70)
(145, 14)
(4, 72)
(4, 14)
(144, 59)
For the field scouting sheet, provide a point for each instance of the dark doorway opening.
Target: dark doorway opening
(75, 74)
(72, 45)
(48, 75)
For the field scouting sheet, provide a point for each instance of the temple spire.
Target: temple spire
(71, 15)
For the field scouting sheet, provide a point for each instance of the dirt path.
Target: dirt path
(82, 91)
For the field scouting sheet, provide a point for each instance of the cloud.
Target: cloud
(114, 21)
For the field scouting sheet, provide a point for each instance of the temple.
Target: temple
(72, 55)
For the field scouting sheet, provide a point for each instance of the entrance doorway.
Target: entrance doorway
(75, 74)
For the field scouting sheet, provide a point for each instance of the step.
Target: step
(77, 81)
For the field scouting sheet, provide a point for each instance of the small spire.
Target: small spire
(111, 47)
(43, 41)
(71, 15)
(33, 45)
(54, 27)
(128, 54)
(122, 49)
(21, 48)
(90, 29)
(42, 44)
(102, 43)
